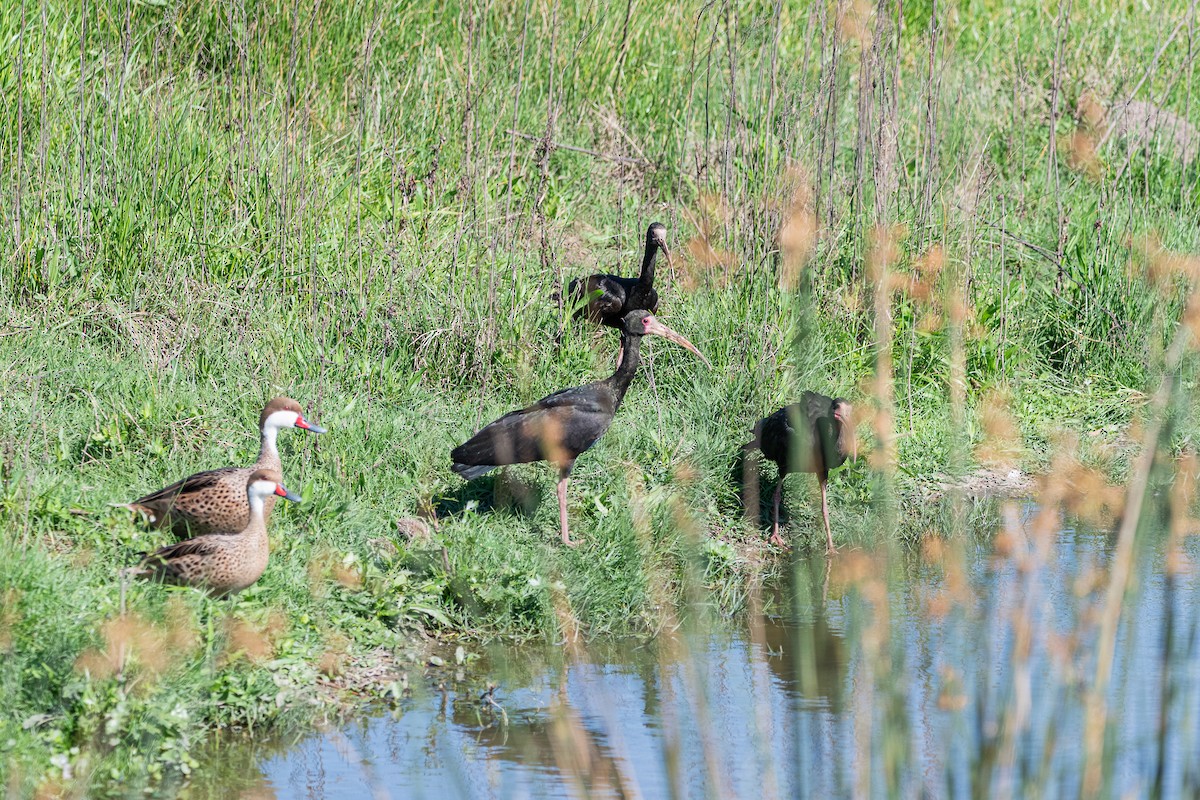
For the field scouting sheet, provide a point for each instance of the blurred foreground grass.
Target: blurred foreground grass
(374, 208)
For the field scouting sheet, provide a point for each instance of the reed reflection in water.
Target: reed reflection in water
(952, 670)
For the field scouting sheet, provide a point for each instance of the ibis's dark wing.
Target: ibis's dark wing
(786, 437)
(823, 427)
(516, 438)
(591, 397)
(816, 406)
(556, 428)
(775, 435)
(604, 296)
(192, 483)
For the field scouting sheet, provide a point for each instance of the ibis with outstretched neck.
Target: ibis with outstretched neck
(562, 426)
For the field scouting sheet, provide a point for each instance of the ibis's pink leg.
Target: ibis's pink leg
(776, 539)
(562, 511)
(829, 548)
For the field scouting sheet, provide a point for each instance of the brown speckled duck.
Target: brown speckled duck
(215, 501)
(222, 563)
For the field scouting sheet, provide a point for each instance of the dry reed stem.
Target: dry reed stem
(921, 285)
(329, 566)
(863, 572)
(799, 233)
(132, 641)
(712, 214)
(181, 632)
(255, 642)
(1090, 112)
(52, 789)
(1031, 558)
(351, 755)
(673, 651)
(854, 21)
(10, 616)
(659, 582)
(1001, 447)
(1122, 566)
(1081, 151)
(573, 750)
(568, 624)
(1181, 500)
(764, 724)
(577, 752)
(883, 252)
(1062, 26)
(336, 656)
(1165, 269)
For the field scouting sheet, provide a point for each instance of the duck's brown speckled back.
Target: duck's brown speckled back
(221, 563)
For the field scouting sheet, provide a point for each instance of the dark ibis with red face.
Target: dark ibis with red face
(562, 426)
(608, 298)
(815, 435)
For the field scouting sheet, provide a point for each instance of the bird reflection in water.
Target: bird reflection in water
(586, 731)
(707, 703)
(806, 652)
(560, 739)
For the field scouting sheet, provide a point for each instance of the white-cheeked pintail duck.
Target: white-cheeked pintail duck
(222, 563)
(215, 501)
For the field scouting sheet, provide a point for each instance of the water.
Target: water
(902, 676)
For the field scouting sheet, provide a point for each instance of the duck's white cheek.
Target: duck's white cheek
(282, 419)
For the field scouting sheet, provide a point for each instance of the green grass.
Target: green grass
(328, 202)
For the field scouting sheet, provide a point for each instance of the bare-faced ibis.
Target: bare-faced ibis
(610, 297)
(814, 435)
(561, 426)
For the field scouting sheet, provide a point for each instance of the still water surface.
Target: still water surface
(899, 676)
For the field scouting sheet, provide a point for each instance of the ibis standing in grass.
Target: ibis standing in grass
(608, 298)
(814, 435)
(560, 427)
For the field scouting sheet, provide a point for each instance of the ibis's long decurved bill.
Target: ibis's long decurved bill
(653, 326)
